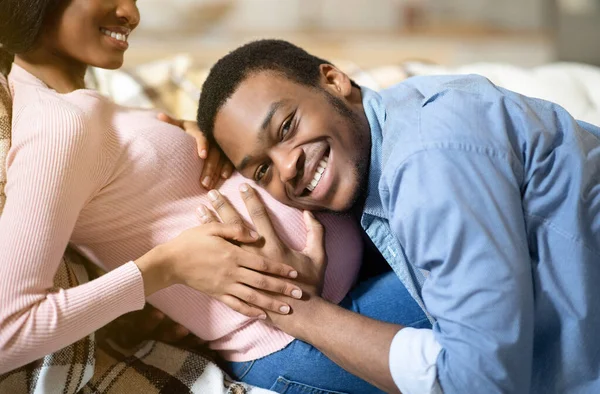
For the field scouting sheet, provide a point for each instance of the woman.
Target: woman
(120, 185)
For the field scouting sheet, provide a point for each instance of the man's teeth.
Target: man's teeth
(318, 174)
(116, 36)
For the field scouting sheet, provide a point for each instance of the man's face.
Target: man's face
(308, 147)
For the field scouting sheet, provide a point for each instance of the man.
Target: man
(484, 201)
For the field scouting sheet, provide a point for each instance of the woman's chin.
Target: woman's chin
(110, 64)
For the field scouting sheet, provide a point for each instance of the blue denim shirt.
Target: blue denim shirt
(497, 197)
(374, 218)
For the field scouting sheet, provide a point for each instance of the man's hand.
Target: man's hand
(328, 327)
(310, 262)
(216, 164)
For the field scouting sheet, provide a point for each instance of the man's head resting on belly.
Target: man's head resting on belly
(292, 122)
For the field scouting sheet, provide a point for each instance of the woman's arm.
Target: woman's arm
(53, 169)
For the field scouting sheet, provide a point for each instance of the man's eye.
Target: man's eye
(285, 128)
(261, 171)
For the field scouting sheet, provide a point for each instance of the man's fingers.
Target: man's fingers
(241, 307)
(258, 213)
(232, 232)
(266, 283)
(226, 211)
(235, 229)
(205, 215)
(315, 238)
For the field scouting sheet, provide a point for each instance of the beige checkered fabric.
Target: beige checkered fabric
(5, 114)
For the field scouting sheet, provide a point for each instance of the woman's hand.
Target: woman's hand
(207, 259)
(310, 262)
(216, 164)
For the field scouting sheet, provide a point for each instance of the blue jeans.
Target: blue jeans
(301, 368)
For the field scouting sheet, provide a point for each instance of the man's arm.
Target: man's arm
(456, 208)
(357, 343)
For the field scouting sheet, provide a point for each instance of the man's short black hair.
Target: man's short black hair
(263, 55)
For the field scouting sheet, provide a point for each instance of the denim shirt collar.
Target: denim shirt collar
(376, 116)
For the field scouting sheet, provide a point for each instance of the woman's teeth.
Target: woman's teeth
(116, 36)
(318, 174)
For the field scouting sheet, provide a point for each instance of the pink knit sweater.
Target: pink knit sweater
(116, 182)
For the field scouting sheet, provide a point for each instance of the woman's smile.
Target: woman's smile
(117, 36)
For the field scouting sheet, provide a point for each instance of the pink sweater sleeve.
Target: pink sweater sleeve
(54, 167)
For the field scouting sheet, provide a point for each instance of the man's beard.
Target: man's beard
(361, 166)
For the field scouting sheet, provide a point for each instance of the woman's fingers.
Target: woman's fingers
(227, 170)
(171, 332)
(231, 232)
(267, 283)
(254, 298)
(150, 320)
(241, 307)
(315, 238)
(190, 128)
(258, 213)
(170, 120)
(260, 264)
(201, 145)
(209, 174)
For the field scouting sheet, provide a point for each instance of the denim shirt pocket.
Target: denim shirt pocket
(285, 386)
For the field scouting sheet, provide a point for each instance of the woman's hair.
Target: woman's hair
(21, 22)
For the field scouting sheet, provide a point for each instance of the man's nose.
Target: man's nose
(288, 163)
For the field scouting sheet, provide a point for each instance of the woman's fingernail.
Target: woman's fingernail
(213, 195)
(284, 309)
(224, 174)
(203, 154)
(297, 294)
(254, 234)
(262, 317)
(293, 274)
(244, 187)
(206, 181)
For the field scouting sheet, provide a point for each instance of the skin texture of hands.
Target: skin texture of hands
(310, 262)
(328, 327)
(208, 259)
(216, 165)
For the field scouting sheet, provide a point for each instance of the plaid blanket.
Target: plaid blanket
(95, 364)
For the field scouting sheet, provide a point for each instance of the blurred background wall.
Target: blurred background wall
(373, 32)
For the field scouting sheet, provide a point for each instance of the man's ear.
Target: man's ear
(336, 80)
